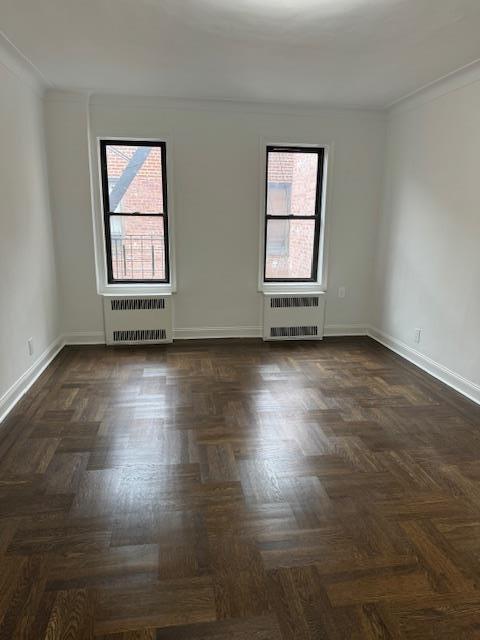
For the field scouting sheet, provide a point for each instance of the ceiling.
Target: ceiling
(366, 53)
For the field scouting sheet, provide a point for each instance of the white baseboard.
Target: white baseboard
(338, 330)
(454, 380)
(23, 384)
(84, 337)
(196, 333)
(202, 333)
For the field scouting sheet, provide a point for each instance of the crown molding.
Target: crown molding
(17, 63)
(205, 104)
(449, 83)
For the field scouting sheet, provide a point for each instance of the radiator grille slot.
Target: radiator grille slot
(293, 332)
(139, 335)
(286, 303)
(133, 304)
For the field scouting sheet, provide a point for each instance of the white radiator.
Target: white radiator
(138, 320)
(293, 316)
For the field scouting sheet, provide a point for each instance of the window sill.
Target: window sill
(280, 288)
(133, 290)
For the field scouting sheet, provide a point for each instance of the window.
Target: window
(293, 205)
(134, 189)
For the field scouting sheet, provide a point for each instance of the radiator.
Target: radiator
(293, 316)
(138, 320)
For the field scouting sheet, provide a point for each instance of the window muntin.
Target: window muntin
(293, 194)
(135, 211)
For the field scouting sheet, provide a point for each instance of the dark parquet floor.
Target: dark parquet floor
(240, 490)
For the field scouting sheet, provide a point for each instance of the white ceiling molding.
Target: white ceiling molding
(18, 64)
(157, 102)
(451, 82)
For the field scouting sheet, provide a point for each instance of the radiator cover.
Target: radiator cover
(138, 319)
(293, 316)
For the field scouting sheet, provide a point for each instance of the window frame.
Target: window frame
(105, 200)
(320, 193)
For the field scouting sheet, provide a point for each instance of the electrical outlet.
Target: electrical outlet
(418, 335)
(342, 292)
(30, 346)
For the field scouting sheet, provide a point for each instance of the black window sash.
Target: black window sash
(320, 151)
(107, 213)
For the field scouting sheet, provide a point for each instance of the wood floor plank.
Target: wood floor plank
(246, 628)
(139, 634)
(377, 586)
(24, 598)
(71, 616)
(163, 604)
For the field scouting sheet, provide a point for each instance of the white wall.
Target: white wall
(428, 269)
(67, 147)
(28, 286)
(216, 189)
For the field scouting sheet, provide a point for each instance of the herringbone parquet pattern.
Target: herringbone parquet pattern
(240, 490)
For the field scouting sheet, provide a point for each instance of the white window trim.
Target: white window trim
(103, 286)
(320, 286)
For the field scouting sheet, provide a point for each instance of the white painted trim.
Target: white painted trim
(125, 101)
(339, 330)
(132, 290)
(294, 288)
(198, 333)
(453, 81)
(17, 63)
(452, 379)
(95, 171)
(84, 337)
(136, 294)
(26, 380)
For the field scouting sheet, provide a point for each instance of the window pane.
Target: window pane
(138, 247)
(291, 183)
(134, 178)
(289, 249)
